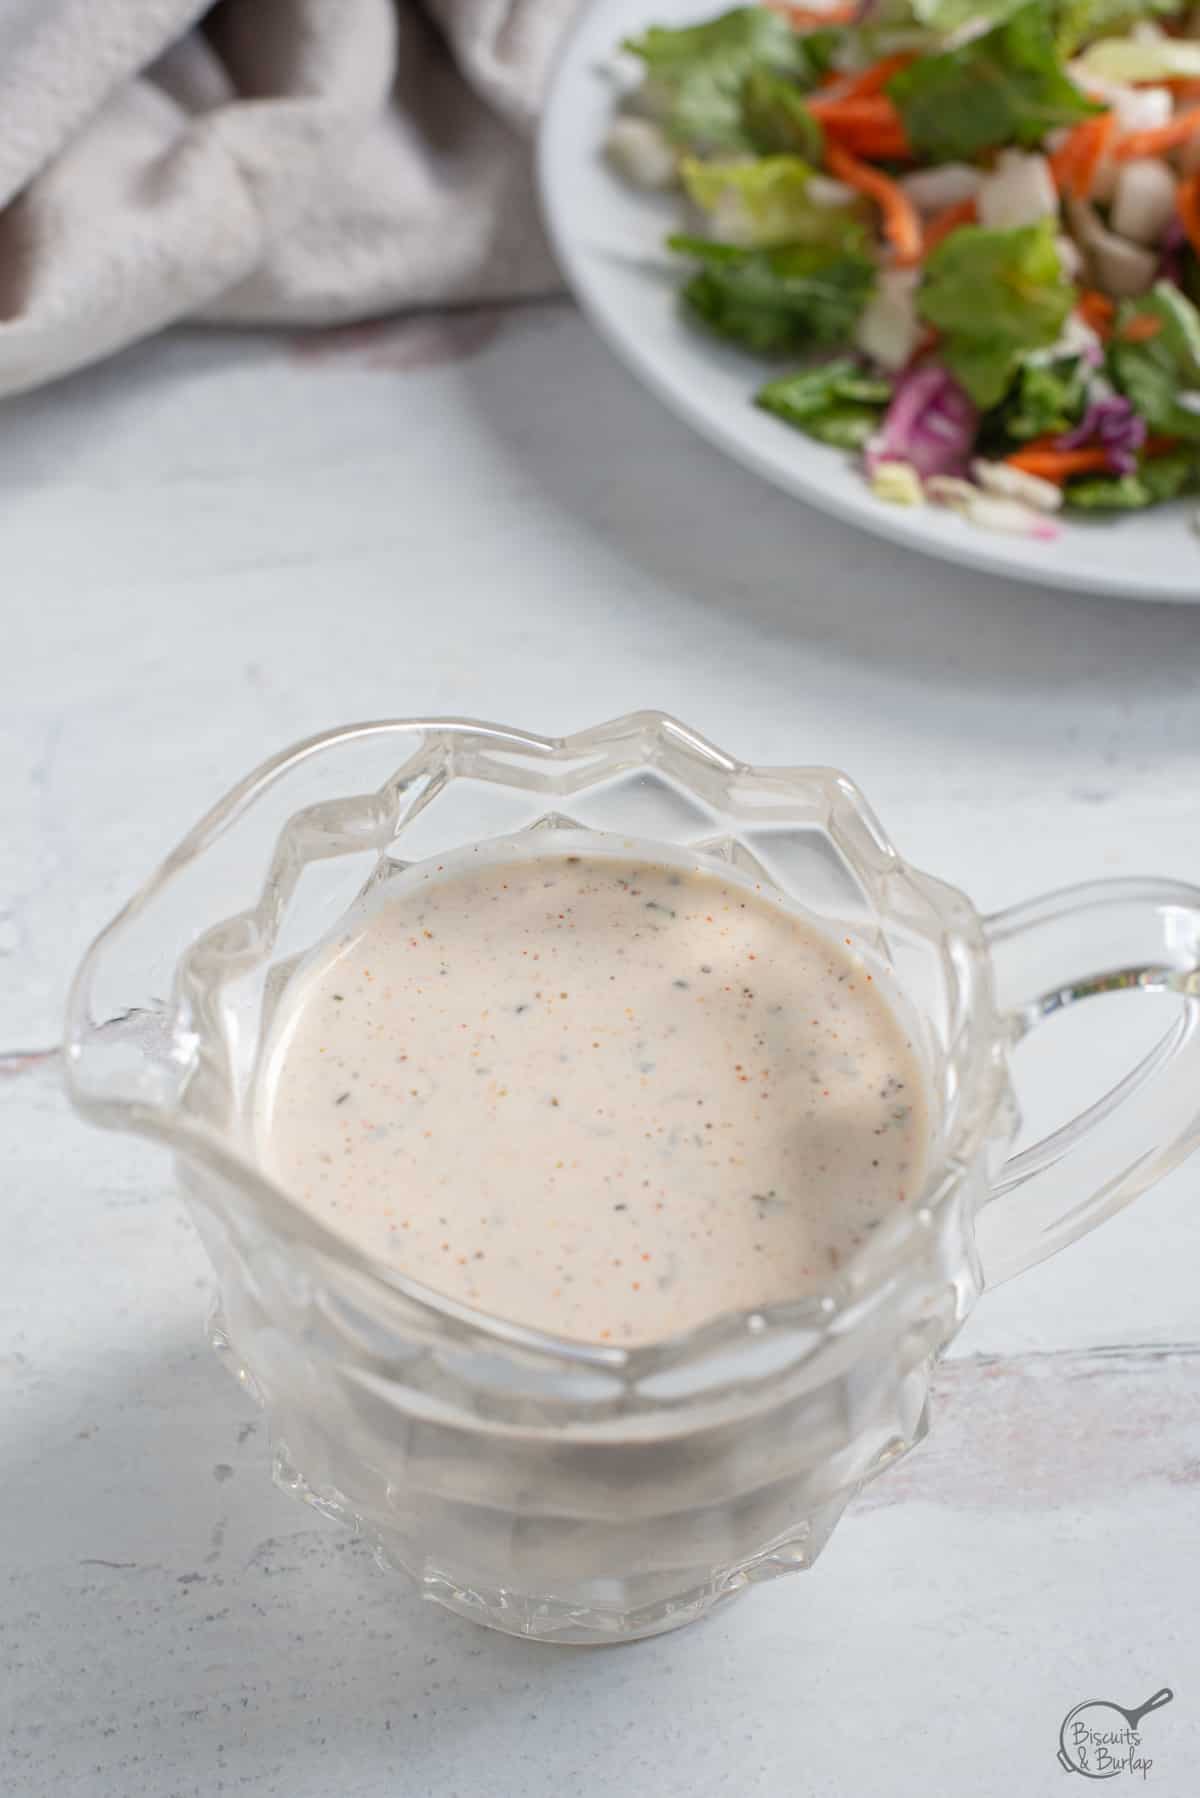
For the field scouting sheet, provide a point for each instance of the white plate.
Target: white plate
(609, 240)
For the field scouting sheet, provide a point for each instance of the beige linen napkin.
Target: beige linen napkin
(263, 161)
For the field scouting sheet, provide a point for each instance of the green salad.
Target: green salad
(965, 232)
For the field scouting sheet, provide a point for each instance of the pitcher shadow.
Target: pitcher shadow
(202, 1623)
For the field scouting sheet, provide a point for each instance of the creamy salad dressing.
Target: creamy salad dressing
(601, 1097)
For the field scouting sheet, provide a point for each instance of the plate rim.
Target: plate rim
(982, 552)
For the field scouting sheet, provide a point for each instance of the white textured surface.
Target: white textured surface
(509, 528)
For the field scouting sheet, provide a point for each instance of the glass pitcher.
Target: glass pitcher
(556, 1489)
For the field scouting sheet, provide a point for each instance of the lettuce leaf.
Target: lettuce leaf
(777, 299)
(816, 53)
(1153, 374)
(695, 75)
(1048, 399)
(1007, 86)
(753, 30)
(757, 202)
(1075, 22)
(994, 295)
(836, 403)
(1158, 478)
(775, 118)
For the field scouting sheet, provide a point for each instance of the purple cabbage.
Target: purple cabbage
(930, 424)
(1112, 423)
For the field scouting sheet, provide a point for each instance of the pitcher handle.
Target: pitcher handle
(1107, 936)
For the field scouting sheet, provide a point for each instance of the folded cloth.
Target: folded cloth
(264, 161)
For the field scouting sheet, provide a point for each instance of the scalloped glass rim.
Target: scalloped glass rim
(561, 765)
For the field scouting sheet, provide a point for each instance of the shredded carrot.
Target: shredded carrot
(1096, 309)
(1140, 328)
(1099, 131)
(901, 223)
(867, 142)
(867, 126)
(1187, 201)
(1058, 465)
(1161, 138)
(1062, 162)
(950, 218)
(1075, 164)
(872, 146)
(856, 109)
(1042, 457)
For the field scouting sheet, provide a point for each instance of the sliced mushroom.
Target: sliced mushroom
(1135, 108)
(1143, 201)
(945, 185)
(1142, 108)
(1116, 266)
(888, 328)
(1019, 191)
